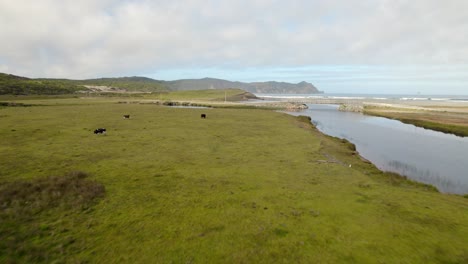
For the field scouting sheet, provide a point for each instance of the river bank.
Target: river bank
(442, 113)
(443, 118)
(398, 147)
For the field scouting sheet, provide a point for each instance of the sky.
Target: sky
(341, 46)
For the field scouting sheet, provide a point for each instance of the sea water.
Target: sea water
(400, 97)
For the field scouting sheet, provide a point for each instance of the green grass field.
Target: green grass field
(242, 186)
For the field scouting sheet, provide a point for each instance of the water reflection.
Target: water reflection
(420, 154)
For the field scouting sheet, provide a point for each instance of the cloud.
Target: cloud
(82, 39)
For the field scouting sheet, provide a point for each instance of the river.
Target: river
(420, 154)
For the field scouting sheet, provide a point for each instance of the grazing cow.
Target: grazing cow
(126, 116)
(203, 116)
(100, 131)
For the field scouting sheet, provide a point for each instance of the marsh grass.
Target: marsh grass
(458, 130)
(241, 186)
(23, 203)
(24, 198)
(450, 123)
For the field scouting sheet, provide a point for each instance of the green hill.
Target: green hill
(253, 87)
(17, 85)
(11, 84)
(130, 84)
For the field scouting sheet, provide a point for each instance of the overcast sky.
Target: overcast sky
(348, 46)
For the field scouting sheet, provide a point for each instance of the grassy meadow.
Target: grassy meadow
(241, 186)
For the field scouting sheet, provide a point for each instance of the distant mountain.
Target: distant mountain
(205, 83)
(11, 84)
(254, 87)
(284, 88)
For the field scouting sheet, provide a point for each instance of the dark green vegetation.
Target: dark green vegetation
(241, 186)
(16, 85)
(443, 121)
(446, 128)
(11, 84)
(131, 84)
(13, 104)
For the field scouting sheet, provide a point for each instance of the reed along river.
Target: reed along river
(420, 154)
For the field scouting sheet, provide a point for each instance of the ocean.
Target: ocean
(349, 96)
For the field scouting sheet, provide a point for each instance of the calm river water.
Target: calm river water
(423, 155)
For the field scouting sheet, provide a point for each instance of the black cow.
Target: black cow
(203, 116)
(126, 116)
(100, 131)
